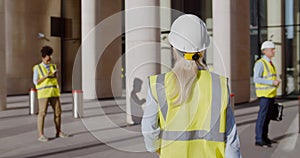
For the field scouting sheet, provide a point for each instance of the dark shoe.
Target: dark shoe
(270, 141)
(263, 144)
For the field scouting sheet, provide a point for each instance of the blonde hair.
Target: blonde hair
(185, 73)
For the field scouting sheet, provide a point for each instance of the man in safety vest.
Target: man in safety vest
(266, 84)
(188, 113)
(45, 80)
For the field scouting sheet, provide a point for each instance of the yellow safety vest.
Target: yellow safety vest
(195, 129)
(264, 90)
(49, 87)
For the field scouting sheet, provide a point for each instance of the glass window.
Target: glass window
(277, 21)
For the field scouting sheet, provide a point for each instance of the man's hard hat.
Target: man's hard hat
(188, 34)
(267, 44)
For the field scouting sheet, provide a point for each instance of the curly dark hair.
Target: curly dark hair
(46, 50)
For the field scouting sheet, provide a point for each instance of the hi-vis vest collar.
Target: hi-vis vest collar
(43, 73)
(206, 126)
(268, 70)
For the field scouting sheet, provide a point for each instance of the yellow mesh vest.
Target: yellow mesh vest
(263, 90)
(196, 128)
(49, 87)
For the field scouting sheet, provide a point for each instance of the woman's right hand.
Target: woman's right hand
(276, 83)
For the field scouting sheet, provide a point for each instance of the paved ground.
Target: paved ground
(103, 132)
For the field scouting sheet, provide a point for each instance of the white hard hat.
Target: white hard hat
(267, 44)
(188, 34)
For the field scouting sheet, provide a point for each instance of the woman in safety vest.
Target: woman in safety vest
(188, 113)
(45, 81)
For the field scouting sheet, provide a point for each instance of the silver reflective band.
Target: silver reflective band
(272, 75)
(216, 101)
(54, 68)
(41, 70)
(161, 94)
(47, 87)
(265, 88)
(268, 70)
(193, 135)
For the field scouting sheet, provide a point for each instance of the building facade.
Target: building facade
(102, 46)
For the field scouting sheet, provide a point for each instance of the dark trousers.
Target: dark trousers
(263, 118)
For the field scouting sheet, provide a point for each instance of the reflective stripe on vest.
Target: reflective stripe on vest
(54, 86)
(269, 73)
(42, 73)
(161, 94)
(265, 88)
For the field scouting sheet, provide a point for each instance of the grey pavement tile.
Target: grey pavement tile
(100, 133)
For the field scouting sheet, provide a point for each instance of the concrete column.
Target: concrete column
(2, 58)
(142, 27)
(231, 49)
(101, 48)
(297, 56)
(221, 37)
(71, 43)
(88, 23)
(165, 23)
(297, 47)
(274, 9)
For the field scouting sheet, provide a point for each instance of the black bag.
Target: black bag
(276, 112)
